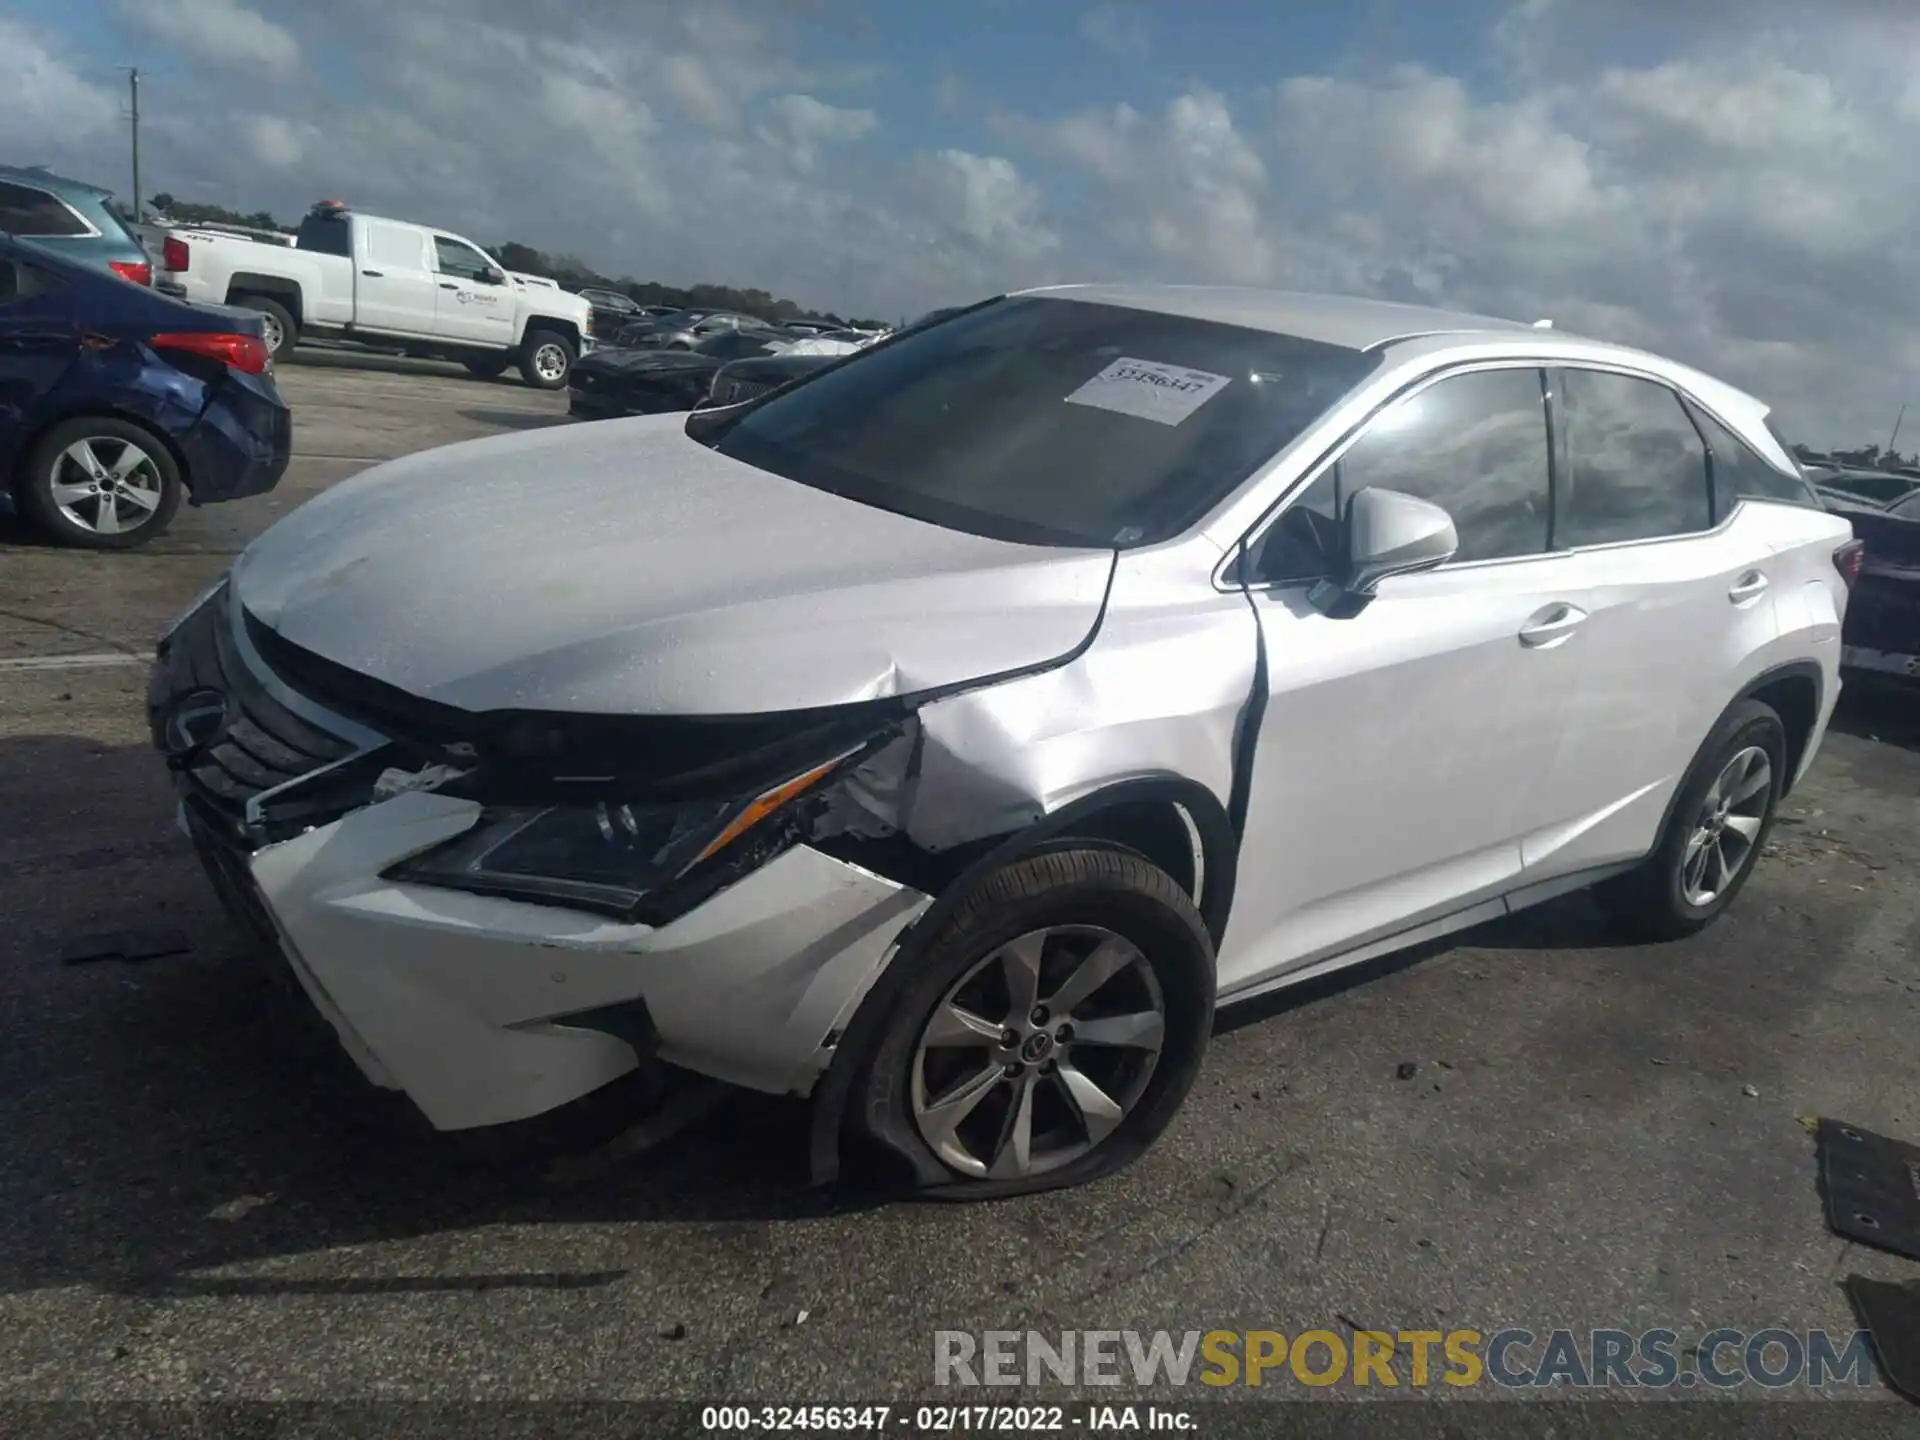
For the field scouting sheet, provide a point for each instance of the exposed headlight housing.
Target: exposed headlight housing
(636, 860)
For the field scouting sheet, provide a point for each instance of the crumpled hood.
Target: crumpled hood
(624, 360)
(622, 568)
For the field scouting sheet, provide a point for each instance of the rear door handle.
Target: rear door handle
(1750, 586)
(377, 274)
(1552, 626)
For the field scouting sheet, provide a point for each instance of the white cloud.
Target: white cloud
(274, 140)
(44, 99)
(798, 125)
(1184, 193)
(223, 32)
(985, 199)
(1119, 30)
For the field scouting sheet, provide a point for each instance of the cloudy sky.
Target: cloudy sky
(1735, 187)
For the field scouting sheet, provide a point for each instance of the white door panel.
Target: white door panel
(1402, 754)
(394, 288)
(1667, 645)
(466, 307)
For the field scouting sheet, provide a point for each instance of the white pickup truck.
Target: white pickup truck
(387, 284)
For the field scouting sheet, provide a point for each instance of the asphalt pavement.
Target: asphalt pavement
(1534, 1126)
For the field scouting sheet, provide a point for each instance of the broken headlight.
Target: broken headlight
(609, 855)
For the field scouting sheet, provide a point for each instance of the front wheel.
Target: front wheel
(101, 484)
(1050, 1030)
(1720, 821)
(546, 360)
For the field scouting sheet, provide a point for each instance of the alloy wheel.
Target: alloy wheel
(1038, 1053)
(550, 362)
(1727, 830)
(107, 485)
(271, 332)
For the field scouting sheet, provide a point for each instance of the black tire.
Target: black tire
(1110, 889)
(1651, 902)
(50, 465)
(278, 318)
(536, 352)
(487, 367)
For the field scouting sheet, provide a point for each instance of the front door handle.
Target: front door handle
(448, 285)
(376, 274)
(1750, 587)
(1552, 626)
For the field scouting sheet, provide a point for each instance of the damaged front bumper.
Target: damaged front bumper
(486, 1009)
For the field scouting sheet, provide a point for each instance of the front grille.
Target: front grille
(262, 744)
(1884, 614)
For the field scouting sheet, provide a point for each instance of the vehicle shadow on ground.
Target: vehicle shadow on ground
(1884, 710)
(184, 1112)
(518, 419)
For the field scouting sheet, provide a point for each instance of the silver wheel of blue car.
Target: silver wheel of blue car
(102, 483)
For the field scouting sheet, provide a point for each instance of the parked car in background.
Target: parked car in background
(1882, 635)
(642, 330)
(945, 737)
(739, 381)
(391, 284)
(673, 333)
(71, 218)
(117, 402)
(611, 309)
(651, 381)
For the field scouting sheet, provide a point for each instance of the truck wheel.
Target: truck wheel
(1049, 1031)
(546, 359)
(101, 484)
(488, 367)
(282, 330)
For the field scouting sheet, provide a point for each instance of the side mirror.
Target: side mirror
(495, 277)
(1388, 534)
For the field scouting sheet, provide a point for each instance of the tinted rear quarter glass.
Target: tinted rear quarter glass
(988, 421)
(1739, 474)
(27, 211)
(325, 235)
(1636, 469)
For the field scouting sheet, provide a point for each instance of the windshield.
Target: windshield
(1050, 421)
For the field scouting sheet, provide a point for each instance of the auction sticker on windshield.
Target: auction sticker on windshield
(1149, 390)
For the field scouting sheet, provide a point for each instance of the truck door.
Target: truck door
(394, 278)
(470, 305)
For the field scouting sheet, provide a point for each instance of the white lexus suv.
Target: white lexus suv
(944, 735)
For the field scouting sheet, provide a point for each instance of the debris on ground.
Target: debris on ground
(1890, 1312)
(239, 1208)
(1752, 1092)
(679, 1110)
(1406, 1070)
(1868, 1183)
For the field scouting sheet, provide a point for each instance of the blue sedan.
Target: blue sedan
(117, 402)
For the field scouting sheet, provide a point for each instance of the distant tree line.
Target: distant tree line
(1867, 457)
(568, 270)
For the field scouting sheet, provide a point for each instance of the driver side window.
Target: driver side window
(1473, 444)
(461, 260)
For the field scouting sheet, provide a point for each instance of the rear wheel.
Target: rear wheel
(281, 330)
(1050, 1030)
(1719, 823)
(546, 360)
(101, 483)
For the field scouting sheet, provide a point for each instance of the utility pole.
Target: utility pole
(133, 90)
(1896, 427)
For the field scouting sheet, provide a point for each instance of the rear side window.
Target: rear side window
(1636, 469)
(30, 212)
(325, 235)
(1739, 474)
(395, 246)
